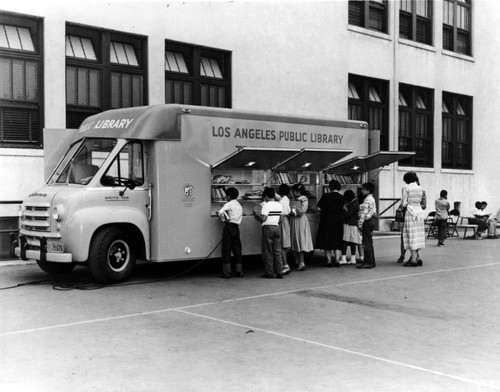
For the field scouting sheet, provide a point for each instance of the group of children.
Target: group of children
(285, 229)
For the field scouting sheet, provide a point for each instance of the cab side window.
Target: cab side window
(127, 167)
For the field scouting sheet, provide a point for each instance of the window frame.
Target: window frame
(455, 43)
(417, 20)
(416, 115)
(454, 117)
(365, 108)
(193, 83)
(366, 9)
(101, 40)
(34, 108)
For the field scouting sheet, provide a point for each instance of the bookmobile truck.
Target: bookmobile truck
(144, 183)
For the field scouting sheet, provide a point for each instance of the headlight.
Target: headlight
(57, 213)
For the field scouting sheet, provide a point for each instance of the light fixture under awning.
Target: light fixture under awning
(255, 158)
(312, 159)
(369, 162)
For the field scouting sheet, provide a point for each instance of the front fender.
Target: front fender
(82, 225)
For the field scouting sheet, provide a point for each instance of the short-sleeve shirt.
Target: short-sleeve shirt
(273, 211)
(233, 210)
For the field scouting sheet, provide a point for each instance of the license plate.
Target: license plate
(55, 247)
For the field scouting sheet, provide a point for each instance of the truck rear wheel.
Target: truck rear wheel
(112, 256)
(55, 268)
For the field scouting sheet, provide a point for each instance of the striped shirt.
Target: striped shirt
(272, 210)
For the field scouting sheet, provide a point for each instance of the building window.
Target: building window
(457, 131)
(415, 124)
(368, 101)
(197, 75)
(457, 26)
(21, 87)
(98, 79)
(415, 20)
(369, 14)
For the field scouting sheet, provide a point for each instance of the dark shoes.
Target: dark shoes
(225, 275)
(400, 259)
(365, 266)
(410, 263)
(332, 264)
(239, 274)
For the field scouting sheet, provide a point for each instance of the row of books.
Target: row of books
(281, 178)
(343, 179)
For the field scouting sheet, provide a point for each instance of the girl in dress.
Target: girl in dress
(413, 228)
(286, 242)
(300, 231)
(352, 235)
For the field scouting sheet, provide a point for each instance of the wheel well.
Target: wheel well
(135, 234)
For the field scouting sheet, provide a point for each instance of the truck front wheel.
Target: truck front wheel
(112, 256)
(55, 268)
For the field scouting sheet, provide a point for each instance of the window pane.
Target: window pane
(222, 97)
(215, 67)
(376, 19)
(187, 93)
(137, 91)
(204, 95)
(129, 51)
(121, 57)
(170, 62)
(422, 8)
(448, 12)
(126, 91)
(77, 46)
(83, 97)
(205, 67)
(71, 86)
(463, 18)
(353, 93)
(405, 5)
(178, 92)
(13, 38)
(5, 79)
(169, 91)
(69, 48)
(26, 41)
(88, 48)
(3, 37)
(18, 80)
(374, 96)
(94, 88)
(213, 96)
(356, 12)
(115, 90)
(31, 81)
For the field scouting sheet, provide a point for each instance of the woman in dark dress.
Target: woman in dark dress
(331, 224)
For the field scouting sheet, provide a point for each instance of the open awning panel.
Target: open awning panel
(369, 162)
(250, 158)
(312, 159)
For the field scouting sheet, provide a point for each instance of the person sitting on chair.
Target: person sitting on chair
(479, 218)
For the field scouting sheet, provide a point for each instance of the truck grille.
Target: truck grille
(36, 218)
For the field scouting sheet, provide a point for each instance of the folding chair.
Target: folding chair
(430, 221)
(452, 223)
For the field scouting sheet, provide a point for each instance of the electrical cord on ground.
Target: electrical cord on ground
(92, 285)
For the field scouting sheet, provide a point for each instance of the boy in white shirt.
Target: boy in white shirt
(270, 216)
(231, 214)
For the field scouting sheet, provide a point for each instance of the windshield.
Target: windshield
(82, 161)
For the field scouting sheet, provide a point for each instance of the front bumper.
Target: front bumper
(41, 254)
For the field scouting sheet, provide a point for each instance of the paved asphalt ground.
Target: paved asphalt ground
(435, 328)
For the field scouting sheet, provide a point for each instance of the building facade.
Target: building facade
(421, 72)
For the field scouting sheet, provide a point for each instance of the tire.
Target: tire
(55, 268)
(112, 256)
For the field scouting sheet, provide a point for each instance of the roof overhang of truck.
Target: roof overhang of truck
(162, 122)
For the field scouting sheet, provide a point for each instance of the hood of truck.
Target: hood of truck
(46, 194)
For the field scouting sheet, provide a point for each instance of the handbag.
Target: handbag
(400, 214)
(423, 200)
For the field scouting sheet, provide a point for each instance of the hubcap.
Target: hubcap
(118, 255)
